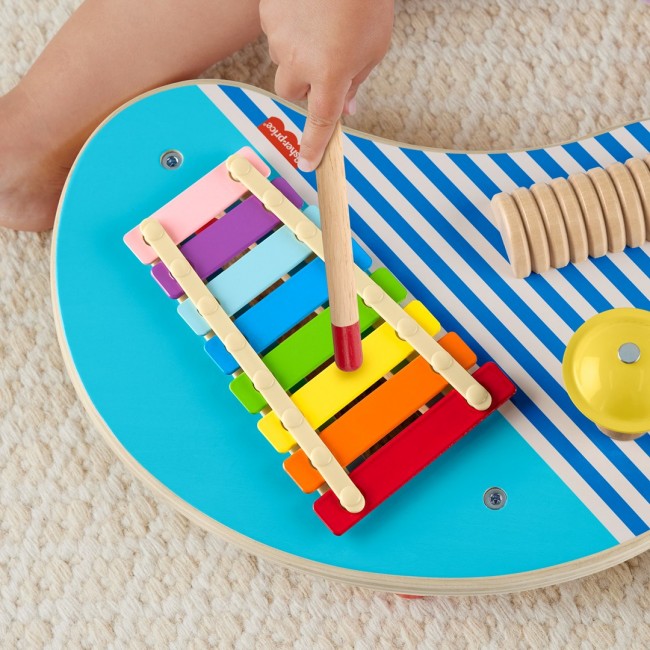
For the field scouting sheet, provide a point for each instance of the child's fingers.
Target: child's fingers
(273, 54)
(350, 104)
(324, 108)
(289, 86)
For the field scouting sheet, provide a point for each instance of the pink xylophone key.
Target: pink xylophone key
(196, 206)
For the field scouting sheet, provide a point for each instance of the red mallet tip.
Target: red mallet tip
(348, 354)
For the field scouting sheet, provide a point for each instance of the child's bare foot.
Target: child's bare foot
(32, 170)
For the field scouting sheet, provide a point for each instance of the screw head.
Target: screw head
(629, 353)
(171, 159)
(495, 498)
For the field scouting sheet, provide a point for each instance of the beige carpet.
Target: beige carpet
(89, 558)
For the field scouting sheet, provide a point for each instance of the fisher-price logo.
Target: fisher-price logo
(284, 141)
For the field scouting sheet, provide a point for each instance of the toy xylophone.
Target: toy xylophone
(528, 491)
(309, 405)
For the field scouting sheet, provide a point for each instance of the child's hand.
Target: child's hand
(324, 49)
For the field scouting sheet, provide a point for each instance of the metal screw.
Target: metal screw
(495, 498)
(171, 159)
(629, 353)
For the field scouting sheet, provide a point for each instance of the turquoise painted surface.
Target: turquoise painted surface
(135, 356)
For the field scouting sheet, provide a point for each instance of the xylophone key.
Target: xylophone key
(413, 449)
(379, 413)
(197, 205)
(226, 238)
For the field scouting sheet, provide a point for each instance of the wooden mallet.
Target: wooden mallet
(337, 253)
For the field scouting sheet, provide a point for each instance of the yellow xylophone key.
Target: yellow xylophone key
(332, 389)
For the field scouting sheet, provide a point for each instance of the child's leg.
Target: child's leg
(108, 52)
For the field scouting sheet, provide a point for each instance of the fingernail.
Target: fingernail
(305, 165)
(352, 106)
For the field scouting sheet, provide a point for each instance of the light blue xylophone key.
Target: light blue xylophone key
(251, 274)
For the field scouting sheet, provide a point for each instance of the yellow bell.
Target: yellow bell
(606, 370)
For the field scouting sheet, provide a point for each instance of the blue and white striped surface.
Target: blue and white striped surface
(426, 216)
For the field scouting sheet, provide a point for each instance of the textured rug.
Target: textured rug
(89, 558)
